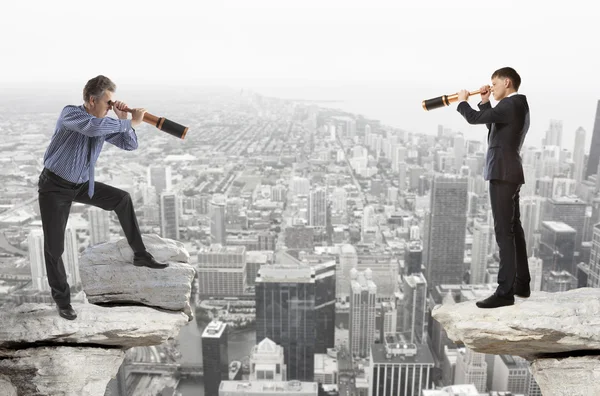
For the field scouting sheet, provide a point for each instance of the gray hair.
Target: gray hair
(96, 87)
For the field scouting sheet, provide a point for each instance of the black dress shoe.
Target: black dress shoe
(495, 301)
(522, 290)
(145, 259)
(67, 312)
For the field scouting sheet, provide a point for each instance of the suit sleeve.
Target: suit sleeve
(503, 113)
(485, 106)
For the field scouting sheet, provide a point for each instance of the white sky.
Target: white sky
(427, 48)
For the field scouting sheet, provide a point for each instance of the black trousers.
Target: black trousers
(504, 199)
(56, 196)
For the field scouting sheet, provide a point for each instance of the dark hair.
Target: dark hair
(511, 74)
(96, 87)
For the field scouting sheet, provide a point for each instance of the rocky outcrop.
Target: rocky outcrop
(43, 354)
(559, 333)
(109, 276)
(34, 324)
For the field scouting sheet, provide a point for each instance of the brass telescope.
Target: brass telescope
(444, 100)
(164, 124)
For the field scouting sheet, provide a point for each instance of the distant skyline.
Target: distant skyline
(388, 55)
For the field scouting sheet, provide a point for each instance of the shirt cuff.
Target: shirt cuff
(126, 126)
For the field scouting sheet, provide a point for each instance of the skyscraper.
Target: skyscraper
(215, 360)
(554, 134)
(218, 232)
(592, 164)
(169, 215)
(317, 208)
(99, 225)
(471, 368)
(285, 313)
(348, 260)
(39, 278)
(579, 154)
(445, 230)
(594, 273)
(482, 240)
(325, 292)
(363, 297)
(160, 178)
(399, 368)
(70, 258)
(414, 308)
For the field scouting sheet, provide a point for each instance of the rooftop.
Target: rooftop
(559, 226)
(227, 388)
(214, 329)
(395, 350)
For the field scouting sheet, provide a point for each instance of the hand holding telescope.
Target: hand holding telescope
(162, 123)
(445, 100)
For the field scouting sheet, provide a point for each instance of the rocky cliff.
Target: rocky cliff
(128, 306)
(559, 333)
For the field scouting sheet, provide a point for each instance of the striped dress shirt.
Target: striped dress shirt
(77, 142)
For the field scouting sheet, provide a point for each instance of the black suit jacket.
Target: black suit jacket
(507, 123)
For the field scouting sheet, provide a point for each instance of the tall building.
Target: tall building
(300, 186)
(363, 297)
(445, 230)
(413, 256)
(471, 368)
(400, 368)
(531, 220)
(482, 241)
(215, 359)
(70, 258)
(569, 210)
(160, 178)
(285, 313)
(554, 134)
(459, 150)
(511, 373)
(339, 199)
(317, 208)
(414, 308)
(325, 292)
(592, 164)
(221, 271)
(594, 270)
(557, 247)
(169, 215)
(348, 260)
(536, 273)
(267, 362)
(579, 155)
(99, 225)
(39, 277)
(218, 232)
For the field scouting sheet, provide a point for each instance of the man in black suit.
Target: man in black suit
(507, 125)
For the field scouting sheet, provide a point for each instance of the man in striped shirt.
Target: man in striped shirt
(68, 177)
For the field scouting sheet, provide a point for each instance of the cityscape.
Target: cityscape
(321, 240)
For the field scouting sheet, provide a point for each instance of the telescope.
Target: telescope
(444, 100)
(164, 124)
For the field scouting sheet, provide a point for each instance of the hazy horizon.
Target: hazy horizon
(382, 58)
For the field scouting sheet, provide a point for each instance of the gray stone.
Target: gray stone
(61, 371)
(573, 376)
(543, 324)
(108, 275)
(125, 326)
